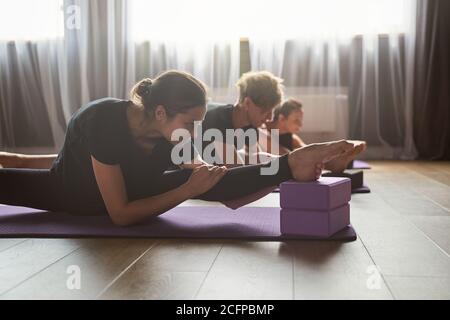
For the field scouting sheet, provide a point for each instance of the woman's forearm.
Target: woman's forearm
(136, 211)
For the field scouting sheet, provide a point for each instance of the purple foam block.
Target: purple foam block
(325, 194)
(314, 223)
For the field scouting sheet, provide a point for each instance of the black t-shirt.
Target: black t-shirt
(101, 129)
(220, 117)
(286, 140)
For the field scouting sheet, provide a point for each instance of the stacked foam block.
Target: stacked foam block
(317, 209)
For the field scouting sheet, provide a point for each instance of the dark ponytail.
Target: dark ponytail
(175, 90)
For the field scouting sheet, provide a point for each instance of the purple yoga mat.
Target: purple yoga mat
(199, 222)
(359, 164)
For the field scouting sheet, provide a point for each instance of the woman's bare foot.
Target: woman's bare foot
(341, 163)
(307, 163)
(10, 160)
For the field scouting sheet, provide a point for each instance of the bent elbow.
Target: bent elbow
(119, 219)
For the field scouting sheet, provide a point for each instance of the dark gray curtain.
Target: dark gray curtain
(432, 86)
(20, 86)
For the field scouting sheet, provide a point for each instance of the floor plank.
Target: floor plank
(99, 262)
(406, 182)
(142, 284)
(8, 243)
(170, 270)
(440, 172)
(406, 201)
(396, 245)
(250, 270)
(21, 262)
(403, 228)
(436, 228)
(333, 270)
(419, 288)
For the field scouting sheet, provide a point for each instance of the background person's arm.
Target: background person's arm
(267, 148)
(124, 213)
(297, 142)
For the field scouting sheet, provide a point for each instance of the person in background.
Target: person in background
(259, 93)
(288, 119)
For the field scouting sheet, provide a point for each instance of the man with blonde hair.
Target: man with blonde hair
(259, 94)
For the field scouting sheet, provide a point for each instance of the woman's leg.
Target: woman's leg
(17, 160)
(32, 188)
(237, 182)
(301, 165)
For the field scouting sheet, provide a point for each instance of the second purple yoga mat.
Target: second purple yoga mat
(199, 222)
(359, 164)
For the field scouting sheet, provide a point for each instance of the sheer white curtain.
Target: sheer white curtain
(30, 32)
(196, 36)
(361, 48)
(55, 56)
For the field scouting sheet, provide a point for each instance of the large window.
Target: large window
(31, 19)
(186, 19)
(213, 19)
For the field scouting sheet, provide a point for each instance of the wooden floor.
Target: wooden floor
(403, 252)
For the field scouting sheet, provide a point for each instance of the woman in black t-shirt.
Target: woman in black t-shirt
(116, 153)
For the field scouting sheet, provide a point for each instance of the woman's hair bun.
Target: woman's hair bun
(144, 87)
(176, 91)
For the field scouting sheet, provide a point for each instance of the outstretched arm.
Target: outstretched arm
(124, 212)
(297, 142)
(268, 146)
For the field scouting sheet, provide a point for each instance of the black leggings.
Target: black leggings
(41, 189)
